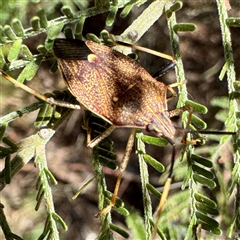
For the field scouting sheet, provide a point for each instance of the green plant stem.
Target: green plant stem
(102, 189)
(19, 113)
(149, 16)
(58, 23)
(141, 25)
(144, 181)
(231, 121)
(27, 149)
(192, 190)
(180, 75)
(41, 163)
(182, 89)
(37, 58)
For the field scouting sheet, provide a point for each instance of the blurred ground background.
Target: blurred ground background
(68, 158)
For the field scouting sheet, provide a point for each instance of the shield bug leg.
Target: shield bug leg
(92, 139)
(86, 127)
(99, 138)
(170, 88)
(123, 166)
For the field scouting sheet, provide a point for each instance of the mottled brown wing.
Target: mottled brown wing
(144, 106)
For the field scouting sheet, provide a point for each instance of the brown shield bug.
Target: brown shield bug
(113, 86)
(117, 89)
